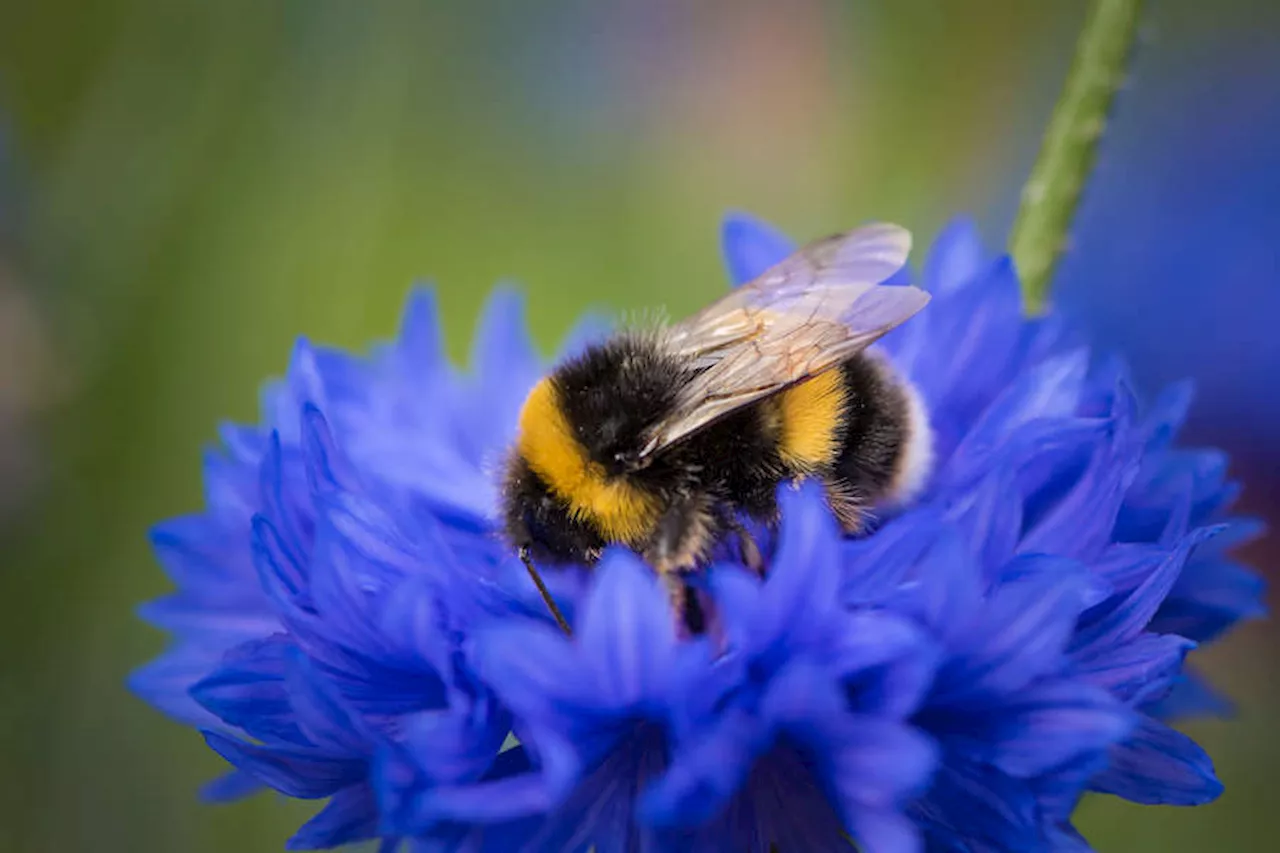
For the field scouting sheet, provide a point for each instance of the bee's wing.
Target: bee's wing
(807, 314)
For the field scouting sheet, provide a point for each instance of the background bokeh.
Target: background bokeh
(187, 186)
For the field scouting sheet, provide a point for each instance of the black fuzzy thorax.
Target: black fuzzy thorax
(535, 518)
(614, 393)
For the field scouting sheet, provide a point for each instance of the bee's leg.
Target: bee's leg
(680, 544)
(850, 509)
(748, 550)
(693, 616)
(686, 606)
(683, 536)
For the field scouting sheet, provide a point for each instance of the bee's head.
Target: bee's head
(564, 488)
(613, 394)
(538, 521)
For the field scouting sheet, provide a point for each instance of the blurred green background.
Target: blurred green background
(191, 185)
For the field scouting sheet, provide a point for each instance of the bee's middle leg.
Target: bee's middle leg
(748, 549)
(686, 604)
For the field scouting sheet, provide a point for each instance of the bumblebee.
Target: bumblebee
(664, 439)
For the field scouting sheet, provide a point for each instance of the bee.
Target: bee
(663, 439)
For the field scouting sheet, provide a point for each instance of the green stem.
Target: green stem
(1070, 144)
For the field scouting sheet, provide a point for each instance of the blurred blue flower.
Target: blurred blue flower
(348, 625)
(1185, 235)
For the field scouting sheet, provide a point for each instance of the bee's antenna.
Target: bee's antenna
(546, 594)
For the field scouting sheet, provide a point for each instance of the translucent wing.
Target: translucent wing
(807, 314)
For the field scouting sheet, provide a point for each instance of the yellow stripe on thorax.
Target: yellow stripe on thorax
(812, 415)
(618, 510)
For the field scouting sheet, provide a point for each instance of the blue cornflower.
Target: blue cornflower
(349, 625)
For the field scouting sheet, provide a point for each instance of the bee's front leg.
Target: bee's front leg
(679, 545)
(683, 536)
